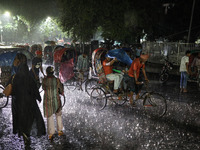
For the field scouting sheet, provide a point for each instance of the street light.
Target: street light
(4, 16)
(7, 14)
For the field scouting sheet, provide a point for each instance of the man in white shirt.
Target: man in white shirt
(184, 71)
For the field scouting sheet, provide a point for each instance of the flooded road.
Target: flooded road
(118, 127)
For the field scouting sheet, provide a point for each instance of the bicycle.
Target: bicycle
(154, 103)
(77, 83)
(103, 92)
(73, 83)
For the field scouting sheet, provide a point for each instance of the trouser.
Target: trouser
(50, 123)
(117, 77)
(183, 81)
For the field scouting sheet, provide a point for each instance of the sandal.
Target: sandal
(60, 133)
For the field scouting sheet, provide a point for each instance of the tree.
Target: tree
(119, 20)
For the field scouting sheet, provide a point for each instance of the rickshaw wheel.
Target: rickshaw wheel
(98, 97)
(89, 85)
(71, 84)
(3, 100)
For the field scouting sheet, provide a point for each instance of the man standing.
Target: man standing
(37, 67)
(82, 64)
(138, 51)
(135, 84)
(184, 70)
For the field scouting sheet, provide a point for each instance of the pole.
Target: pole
(188, 40)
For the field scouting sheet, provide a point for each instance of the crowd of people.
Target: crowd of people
(26, 84)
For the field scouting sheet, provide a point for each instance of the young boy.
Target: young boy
(52, 103)
(184, 71)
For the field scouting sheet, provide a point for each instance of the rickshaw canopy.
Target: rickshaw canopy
(70, 53)
(6, 59)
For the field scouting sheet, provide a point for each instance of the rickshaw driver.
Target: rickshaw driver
(37, 66)
(135, 84)
(117, 77)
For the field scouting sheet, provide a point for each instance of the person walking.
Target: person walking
(52, 102)
(25, 111)
(184, 70)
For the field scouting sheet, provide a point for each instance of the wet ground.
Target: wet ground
(119, 127)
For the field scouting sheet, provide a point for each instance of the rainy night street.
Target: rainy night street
(119, 127)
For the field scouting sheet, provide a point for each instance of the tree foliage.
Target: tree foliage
(119, 20)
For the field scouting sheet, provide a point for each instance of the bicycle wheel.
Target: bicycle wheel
(3, 100)
(155, 104)
(89, 85)
(98, 97)
(121, 99)
(71, 84)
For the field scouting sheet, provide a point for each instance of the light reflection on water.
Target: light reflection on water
(114, 127)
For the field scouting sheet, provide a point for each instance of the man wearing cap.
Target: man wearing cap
(107, 67)
(135, 84)
(37, 66)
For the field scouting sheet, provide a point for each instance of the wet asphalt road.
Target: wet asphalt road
(119, 127)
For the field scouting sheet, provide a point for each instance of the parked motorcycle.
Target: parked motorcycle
(164, 74)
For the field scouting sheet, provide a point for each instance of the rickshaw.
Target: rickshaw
(154, 103)
(103, 90)
(195, 73)
(7, 56)
(64, 61)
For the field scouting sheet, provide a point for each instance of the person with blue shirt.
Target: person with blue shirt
(138, 51)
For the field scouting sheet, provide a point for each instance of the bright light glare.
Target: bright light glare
(7, 14)
(48, 19)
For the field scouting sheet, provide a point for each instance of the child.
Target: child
(52, 103)
(184, 71)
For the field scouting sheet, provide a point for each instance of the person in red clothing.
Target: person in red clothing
(117, 77)
(135, 84)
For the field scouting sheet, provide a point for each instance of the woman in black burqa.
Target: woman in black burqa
(25, 110)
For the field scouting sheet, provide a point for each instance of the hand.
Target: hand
(115, 59)
(146, 80)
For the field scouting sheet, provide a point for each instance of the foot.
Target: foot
(51, 137)
(115, 91)
(185, 91)
(60, 133)
(132, 103)
(137, 97)
(27, 140)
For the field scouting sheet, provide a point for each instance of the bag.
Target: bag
(8, 90)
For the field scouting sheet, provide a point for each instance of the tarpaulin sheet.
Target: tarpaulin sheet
(6, 59)
(58, 55)
(66, 70)
(121, 55)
